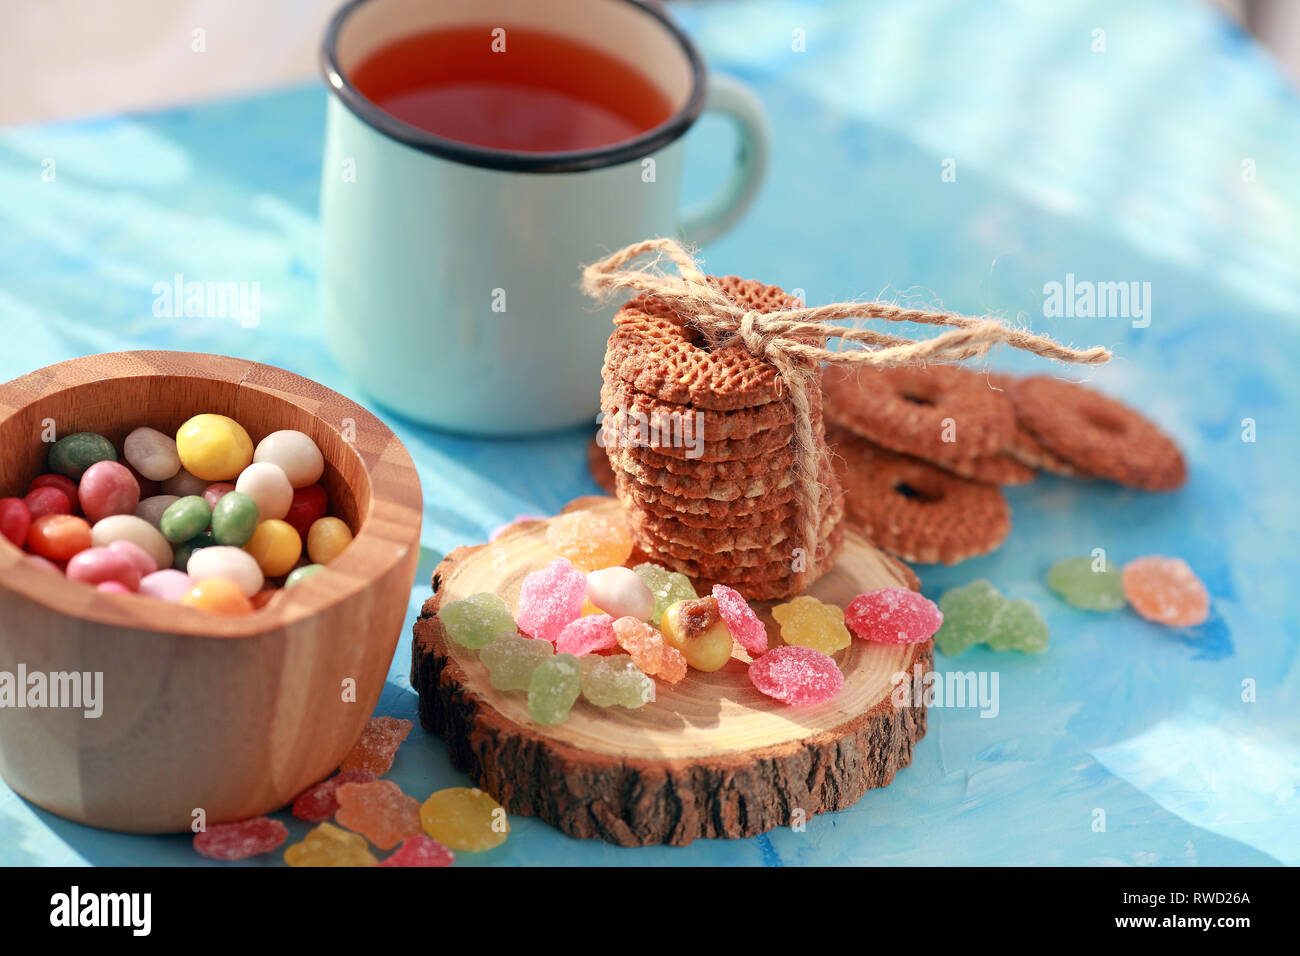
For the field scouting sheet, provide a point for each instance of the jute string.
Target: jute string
(775, 337)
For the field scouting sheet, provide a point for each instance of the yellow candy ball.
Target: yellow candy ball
(275, 546)
(214, 447)
(326, 539)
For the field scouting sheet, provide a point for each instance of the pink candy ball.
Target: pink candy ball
(97, 565)
(215, 491)
(112, 587)
(167, 585)
(137, 555)
(108, 488)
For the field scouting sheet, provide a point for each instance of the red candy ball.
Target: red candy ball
(47, 500)
(108, 488)
(63, 483)
(15, 519)
(893, 616)
(309, 503)
(216, 491)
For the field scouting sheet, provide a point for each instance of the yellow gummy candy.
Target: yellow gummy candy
(327, 845)
(464, 818)
(590, 541)
(807, 622)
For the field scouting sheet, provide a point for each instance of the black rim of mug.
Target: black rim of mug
(648, 142)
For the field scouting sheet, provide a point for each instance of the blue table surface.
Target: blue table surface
(1170, 157)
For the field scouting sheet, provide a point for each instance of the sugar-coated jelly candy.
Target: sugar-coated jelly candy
(796, 675)
(697, 630)
(328, 845)
(108, 488)
(234, 519)
(298, 575)
(97, 565)
(185, 518)
(590, 541)
(1018, 627)
(379, 811)
(1167, 591)
(15, 519)
(615, 680)
(239, 841)
(64, 484)
(223, 561)
(477, 620)
(167, 585)
(620, 592)
(183, 483)
(269, 487)
(137, 555)
(1089, 583)
(151, 509)
(48, 500)
(553, 687)
(275, 546)
(295, 454)
(308, 504)
(136, 530)
(977, 613)
(327, 538)
(58, 537)
(464, 818)
(377, 746)
(72, 454)
(319, 801)
(550, 598)
(511, 660)
(587, 635)
(216, 491)
(893, 616)
(151, 453)
(808, 622)
(668, 587)
(420, 850)
(186, 549)
(214, 447)
(744, 625)
(218, 596)
(649, 649)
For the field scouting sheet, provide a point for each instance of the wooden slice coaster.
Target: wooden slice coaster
(710, 757)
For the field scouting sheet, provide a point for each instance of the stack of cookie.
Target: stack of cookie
(921, 451)
(700, 441)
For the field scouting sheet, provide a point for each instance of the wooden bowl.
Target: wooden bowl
(231, 717)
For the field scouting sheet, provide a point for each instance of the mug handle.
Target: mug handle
(711, 218)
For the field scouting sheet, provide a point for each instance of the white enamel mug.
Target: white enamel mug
(450, 271)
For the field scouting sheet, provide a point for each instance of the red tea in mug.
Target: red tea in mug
(542, 93)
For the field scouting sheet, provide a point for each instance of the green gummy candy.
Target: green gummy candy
(1076, 581)
(615, 680)
(553, 688)
(234, 519)
(968, 612)
(1019, 627)
(511, 660)
(71, 455)
(185, 518)
(668, 587)
(181, 556)
(478, 620)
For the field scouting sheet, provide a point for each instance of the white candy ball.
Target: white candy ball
(136, 530)
(295, 453)
(152, 453)
(225, 561)
(620, 592)
(267, 485)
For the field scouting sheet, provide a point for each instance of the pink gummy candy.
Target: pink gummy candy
(420, 851)
(549, 599)
(238, 841)
(320, 801)
(741, 620)
(589, 634)
(893, 616)
(796, 675)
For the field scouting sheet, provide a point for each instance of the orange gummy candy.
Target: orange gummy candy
(590, 541)
(1167, 591)
(649, 650)
(379, 811)
(375, 749)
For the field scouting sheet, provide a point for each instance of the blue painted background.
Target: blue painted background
(1130, 164)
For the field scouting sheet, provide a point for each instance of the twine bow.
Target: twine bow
(785, 339)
